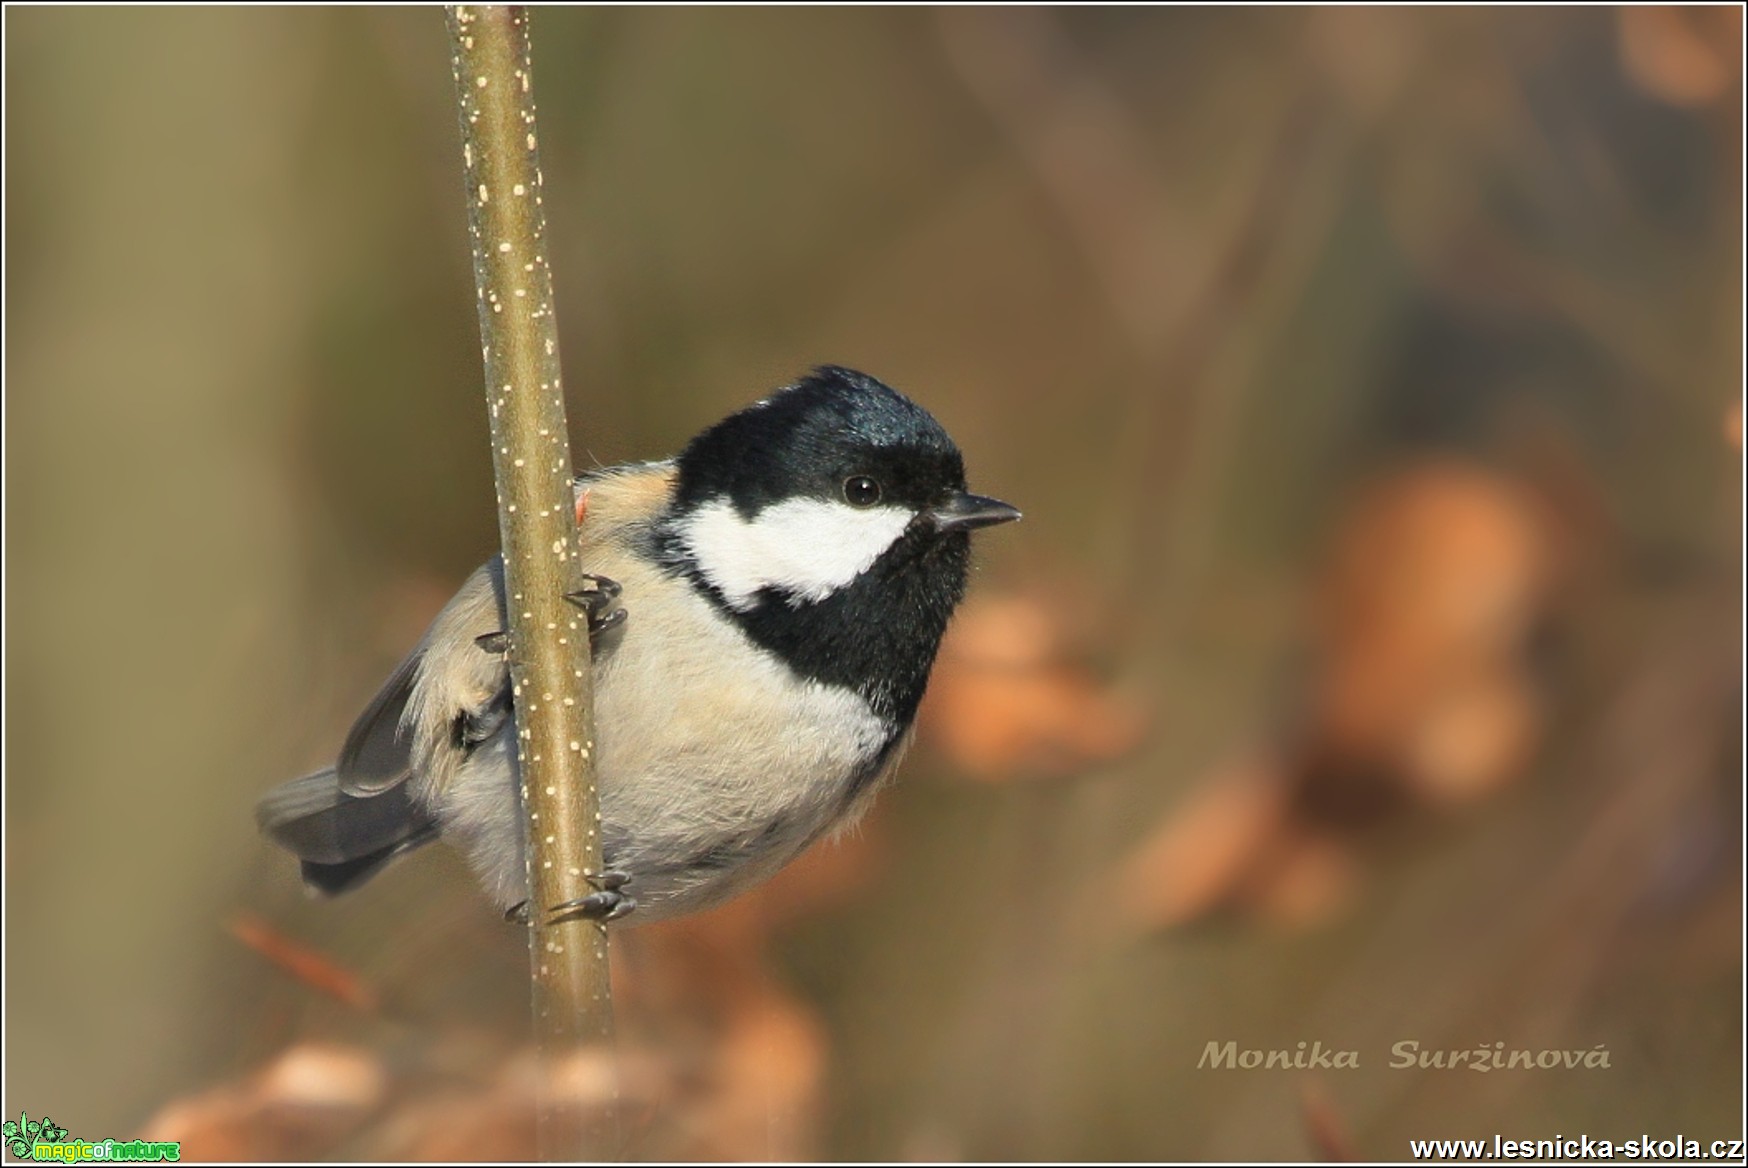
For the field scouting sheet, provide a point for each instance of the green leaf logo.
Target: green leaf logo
(15, 1132)
(24, 1133)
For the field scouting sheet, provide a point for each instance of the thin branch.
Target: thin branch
(531, 458)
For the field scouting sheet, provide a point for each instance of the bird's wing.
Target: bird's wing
(448, 679)
(378, 750)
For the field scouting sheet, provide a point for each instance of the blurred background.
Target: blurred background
(1367, 669)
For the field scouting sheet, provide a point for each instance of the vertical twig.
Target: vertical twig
(549, 654)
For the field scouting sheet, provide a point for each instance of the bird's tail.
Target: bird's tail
(342, 839)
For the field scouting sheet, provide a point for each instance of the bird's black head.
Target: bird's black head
(810, 439)
(831, 521)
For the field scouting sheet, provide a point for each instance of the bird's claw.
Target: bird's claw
(604, 906)
(595, 595)
(607, 904)
(599, 625)
(595, 598)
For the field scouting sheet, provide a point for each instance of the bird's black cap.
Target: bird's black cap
(806, 438)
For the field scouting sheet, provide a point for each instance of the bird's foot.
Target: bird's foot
(603, 906)
(594, 598)
(595, 595)
(606, 904)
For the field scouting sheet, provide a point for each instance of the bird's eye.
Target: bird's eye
(861, 491)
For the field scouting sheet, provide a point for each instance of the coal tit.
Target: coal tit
(768, 608)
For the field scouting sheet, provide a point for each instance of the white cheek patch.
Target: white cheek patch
(805, 548)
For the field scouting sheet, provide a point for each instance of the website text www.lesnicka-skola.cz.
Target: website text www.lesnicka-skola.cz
(1579, 1148)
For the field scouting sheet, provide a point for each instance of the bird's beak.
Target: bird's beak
(962, 511)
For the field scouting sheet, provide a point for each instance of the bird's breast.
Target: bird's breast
(708, 743)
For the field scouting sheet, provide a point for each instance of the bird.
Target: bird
(764, 612)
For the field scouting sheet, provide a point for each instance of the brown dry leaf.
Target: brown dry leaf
(497, 1119)
(1007, 700)
(1473, 740)
(1418, 695)
(1676, 55)
(299, 1107)
(763, 1098)
(316, 970)
(459, 1126)
(323, 1075)
(1311, 877)
(744, 1058)
(1198, 858)
(1435, 579)
(1443, 557)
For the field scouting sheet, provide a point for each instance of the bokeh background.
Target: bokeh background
(1367, 669)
